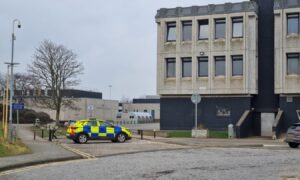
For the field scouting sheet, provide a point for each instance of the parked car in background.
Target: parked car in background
(293, 136)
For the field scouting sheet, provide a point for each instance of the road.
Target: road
(204, 163)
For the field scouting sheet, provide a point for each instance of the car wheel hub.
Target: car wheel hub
(121, 138)
(82, 138)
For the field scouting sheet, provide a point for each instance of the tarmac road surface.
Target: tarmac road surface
(206, 163)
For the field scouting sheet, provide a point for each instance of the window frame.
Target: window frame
(186, 60)
(287, 22)
(292, 55)
(234, 20)
(203, 59)
(235, 58)
(218, 58)
(199, 25)
(220, 21)
(169, 26)
(169, 61)
(185, 24)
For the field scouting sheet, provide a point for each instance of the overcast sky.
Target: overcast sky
(115, 39)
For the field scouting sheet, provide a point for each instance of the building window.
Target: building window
(203, 29)
(237, 65)
(220, 66)
(293, 23)
(220, 28)
(187, 30)
(171, 67)
(171, 31)
(186, 67)
(203, 66)
(237, 27)
(293, 64)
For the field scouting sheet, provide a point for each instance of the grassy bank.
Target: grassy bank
(188, 134)
(7, 149)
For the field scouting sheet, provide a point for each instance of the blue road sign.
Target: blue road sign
(18, 106)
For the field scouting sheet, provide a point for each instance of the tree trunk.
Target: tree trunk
(57, 115)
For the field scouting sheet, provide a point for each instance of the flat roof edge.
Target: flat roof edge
(227, 8)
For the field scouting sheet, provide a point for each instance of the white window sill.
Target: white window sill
(237, 77)
(293, 76)
(219, 78)
(221, 40)
(239, 39)
(293, 36)
(171, 43)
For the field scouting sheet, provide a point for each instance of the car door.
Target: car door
(107, 131)
(94, 129)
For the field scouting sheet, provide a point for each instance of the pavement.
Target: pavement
(223, 143)
(63, 149)
(42, 152)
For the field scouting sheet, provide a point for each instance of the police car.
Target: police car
(85, 130)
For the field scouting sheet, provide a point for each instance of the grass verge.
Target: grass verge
(218, 134)
(7, 149)
(188, 134)
(180, 134)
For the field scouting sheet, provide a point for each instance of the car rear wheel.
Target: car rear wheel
(82, 138)
(293, 145)
(121, 138)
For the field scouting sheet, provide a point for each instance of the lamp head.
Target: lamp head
(19, 25)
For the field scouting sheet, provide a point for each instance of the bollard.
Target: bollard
(154, 133)
(50, 137)
(141, 134)
(42, 133)
(34, 134)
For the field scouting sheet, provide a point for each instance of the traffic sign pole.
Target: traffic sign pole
(196, 98)
(196, 113)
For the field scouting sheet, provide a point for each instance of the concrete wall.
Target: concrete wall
(246, 46)
(178, 113)
(289, 105)
(101, 109)
(285, 84)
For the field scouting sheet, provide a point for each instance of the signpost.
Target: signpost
(18, 106)
(196, 98)
(90, 109)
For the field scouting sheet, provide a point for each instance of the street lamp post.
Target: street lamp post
(110, 86)
(13, 38)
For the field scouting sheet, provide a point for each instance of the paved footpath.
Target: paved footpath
(42, 152)
(224, 143)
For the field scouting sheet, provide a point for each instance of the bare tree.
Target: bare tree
(56, 68)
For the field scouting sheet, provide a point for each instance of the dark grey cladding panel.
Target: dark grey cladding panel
(284, 4)
(207, 10)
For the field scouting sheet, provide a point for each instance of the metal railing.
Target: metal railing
(277, 125)
(244, 125)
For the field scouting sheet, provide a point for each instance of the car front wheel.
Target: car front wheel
(82, 138)
(293, 145)
(121, 138)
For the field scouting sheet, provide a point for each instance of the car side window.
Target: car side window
(92, 123)
(105, 124)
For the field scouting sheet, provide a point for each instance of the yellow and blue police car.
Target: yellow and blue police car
(85, 130)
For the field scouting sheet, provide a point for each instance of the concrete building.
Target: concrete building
(149, 104)
(287, 57)
(226, 53)
(87, 104)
